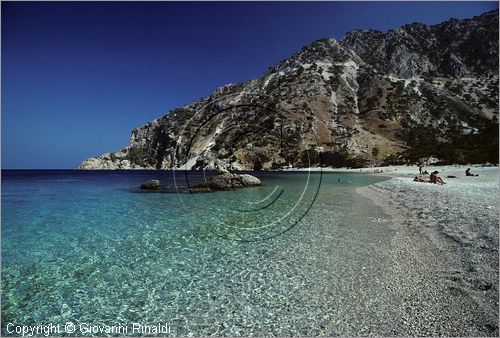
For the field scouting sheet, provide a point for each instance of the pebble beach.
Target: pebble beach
(445, 249)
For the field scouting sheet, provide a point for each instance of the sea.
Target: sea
(88, 251)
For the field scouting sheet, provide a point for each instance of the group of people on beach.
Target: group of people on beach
(434, 178)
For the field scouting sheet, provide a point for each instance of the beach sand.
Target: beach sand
(445, 250)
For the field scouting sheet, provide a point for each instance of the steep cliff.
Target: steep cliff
(372, 97)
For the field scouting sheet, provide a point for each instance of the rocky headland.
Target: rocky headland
(371, 98)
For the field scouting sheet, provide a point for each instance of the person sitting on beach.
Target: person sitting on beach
(468, 173)
(436, 179)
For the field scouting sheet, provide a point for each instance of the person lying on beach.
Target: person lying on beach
(421, 178)
(436, 179)
(468, 173)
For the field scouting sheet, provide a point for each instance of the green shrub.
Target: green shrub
(459, 148)
(139, 156)
(341, 158)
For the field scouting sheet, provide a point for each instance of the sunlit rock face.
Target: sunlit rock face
(351, 102)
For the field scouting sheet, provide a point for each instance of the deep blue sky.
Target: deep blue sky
(78, 77)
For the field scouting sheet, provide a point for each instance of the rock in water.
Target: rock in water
(249, 180)
(223, 171)
(227, 181)
(151, 185)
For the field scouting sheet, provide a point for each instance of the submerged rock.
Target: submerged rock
(226, 181)
(151, 185)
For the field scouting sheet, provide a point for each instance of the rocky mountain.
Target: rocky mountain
(370, 98)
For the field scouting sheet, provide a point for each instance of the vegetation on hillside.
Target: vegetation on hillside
(460, 148)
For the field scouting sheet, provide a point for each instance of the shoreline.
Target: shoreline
(348, 270)
(445, 250)
(399, 170)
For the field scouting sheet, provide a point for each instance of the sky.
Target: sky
(77, 77)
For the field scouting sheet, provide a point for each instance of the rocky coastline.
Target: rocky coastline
(369, 98)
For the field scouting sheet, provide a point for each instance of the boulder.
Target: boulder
(249, 180)
(227, 181)
(151, 185)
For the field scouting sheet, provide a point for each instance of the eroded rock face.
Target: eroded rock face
(453, 48)
(358, 98)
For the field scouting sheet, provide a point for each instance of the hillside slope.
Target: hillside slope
(370, 98)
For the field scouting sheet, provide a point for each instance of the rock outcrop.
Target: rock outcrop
(151, 185)
(228, 181)
(224, 180)
(358, 101)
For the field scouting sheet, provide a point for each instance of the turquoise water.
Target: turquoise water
(281, 259)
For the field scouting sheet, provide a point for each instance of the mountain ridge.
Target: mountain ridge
(369, 98)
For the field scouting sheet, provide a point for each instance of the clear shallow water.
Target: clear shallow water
(296, 256)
